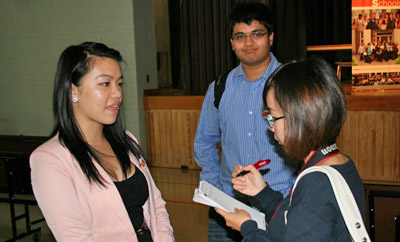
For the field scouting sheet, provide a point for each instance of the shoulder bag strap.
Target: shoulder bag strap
(219, 88)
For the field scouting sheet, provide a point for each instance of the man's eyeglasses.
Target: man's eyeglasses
(252, 36)
(270, 119)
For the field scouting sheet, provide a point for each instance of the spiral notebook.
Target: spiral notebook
(209, 195)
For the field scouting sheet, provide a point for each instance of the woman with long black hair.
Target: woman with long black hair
(90, 178)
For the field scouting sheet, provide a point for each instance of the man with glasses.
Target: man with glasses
(238, 122)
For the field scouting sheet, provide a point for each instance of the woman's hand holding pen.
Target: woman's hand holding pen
(250, 184)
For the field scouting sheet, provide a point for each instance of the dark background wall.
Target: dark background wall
(200, 47)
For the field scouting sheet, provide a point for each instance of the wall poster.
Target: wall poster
(375, 44)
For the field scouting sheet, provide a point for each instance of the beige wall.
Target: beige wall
(33, 33)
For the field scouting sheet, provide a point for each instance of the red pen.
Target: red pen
(257, 165)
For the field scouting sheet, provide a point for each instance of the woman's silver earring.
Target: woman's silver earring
(75, 99)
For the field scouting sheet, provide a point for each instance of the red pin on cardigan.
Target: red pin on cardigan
(142, 162)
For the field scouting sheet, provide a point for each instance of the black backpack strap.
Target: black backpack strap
(219, 88)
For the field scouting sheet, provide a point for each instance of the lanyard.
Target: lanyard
(316, 158)
(321, 155)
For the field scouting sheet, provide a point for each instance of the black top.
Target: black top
(134, 193)
(314, 214)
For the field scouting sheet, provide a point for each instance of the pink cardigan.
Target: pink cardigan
(76, 210)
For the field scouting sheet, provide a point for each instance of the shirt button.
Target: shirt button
(253, 92)
(250, 112)
(249, 134)
(248, 156)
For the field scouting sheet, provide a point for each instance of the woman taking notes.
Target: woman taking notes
(90, 178)
(306, 109)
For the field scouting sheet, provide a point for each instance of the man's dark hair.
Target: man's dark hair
(249, 12)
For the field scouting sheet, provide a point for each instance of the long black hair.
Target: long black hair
(75, 62)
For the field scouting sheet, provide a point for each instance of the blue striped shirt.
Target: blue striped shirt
(243, 132)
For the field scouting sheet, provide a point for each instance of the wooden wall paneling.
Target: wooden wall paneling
(157, 140)
(371, 139)
(377, 158)
(155, 136)
(368, 124)
(188, 141)
(352, 137)
(160, 136)
(153, 139)
(379, 140)
(350, 134)
(396, 146)
(182, 136)
(171, 135)
(381, 163)
(367, 139)
(386, 148)
(169, 142)
(362, 143)
(187, 155)
(182, 145)
(165, 137)
(179, 149)
(160, 139)
(175, 135)
(350, 145)
(192, 125)
(194, 118)
(150, 135)
(369, 136)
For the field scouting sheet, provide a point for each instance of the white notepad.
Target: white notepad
(209, 195)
